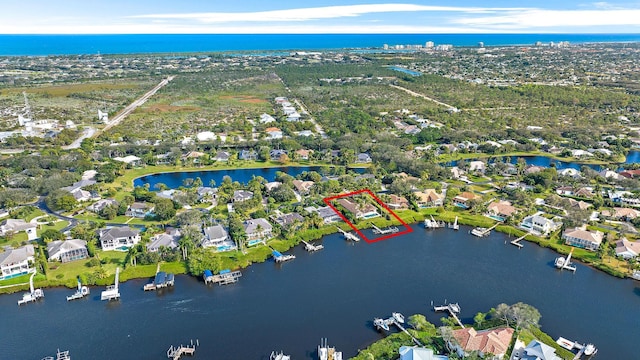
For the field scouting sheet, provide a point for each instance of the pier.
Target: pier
(60, 355)
(455, 225)
(395, 319)
(516, 242)
(33, 294)
(161, 280)
(112, 292)
(326, 352)
(279, 257)
(348, 236)
(433, 224)
(279, 356)
(588, 349)
(565, 264)
(80, 293)
(482, 232)
(223, 278)
(175, 353)
(311, 248)
(453, 310)
(389, 230)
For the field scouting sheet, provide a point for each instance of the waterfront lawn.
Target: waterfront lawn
(22, 279)
(526, 335)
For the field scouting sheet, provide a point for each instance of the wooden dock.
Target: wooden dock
(393, 321)
(482, 232)
(311, 248)
(223, 278)
(161, 280)
(112, 292)
(452, 309)
(348, 235)
(455, 225)
(280, 258)
(389, 230)
(33, 294)
(433, 224)
(516, 242)
(175, 353)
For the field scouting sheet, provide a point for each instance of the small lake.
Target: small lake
(405, 70)
(334, 293)
(174, 180)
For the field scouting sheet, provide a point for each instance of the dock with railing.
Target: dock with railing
(175, 353)
(389, 230)
(312, 248)
(348, 235)
(223, 278)
(453, 309)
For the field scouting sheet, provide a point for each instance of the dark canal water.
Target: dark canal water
(174, 180)
(333, 293)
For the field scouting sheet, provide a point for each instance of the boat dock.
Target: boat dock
(433, 224)
(311, 248)
(453, 309)
(60, 355)
(516, 242)
(326, 352)
(455, 225)
(389, 230)
(176, 352)
(279, 257)
(112, 292)
(223, 278)
(348, 235)
(588, 349)
(161, 280)
(80, 293)
(482, 232)
(396, 319)
(279, 356)
(563, 263)
(33, 294)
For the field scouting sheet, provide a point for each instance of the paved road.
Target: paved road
(87, 133)
(42, 205)
(411, 92)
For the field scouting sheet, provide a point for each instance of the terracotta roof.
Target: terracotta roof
(495, 341)
(272, 129)
(502, 208)
(429, 195)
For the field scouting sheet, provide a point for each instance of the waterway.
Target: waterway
(174, 180)
(333, 293)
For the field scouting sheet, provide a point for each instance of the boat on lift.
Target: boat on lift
(380, 324)
(398, 317)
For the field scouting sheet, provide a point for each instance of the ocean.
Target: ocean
(41, 45)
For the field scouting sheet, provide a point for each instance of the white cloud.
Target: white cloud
(316, 13)
(537, 18)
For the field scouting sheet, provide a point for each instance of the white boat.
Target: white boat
(567, 344)
(398, 317)
(454, 307)
(636, 275)
(480, 232)
(559, 262)
(590, 349)
(380, 324)
(279, 356)
(80, 293)
(325, 352)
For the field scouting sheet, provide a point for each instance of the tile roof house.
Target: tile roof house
(495, 341)
(68, 250)
(627, 249)
(582, 238)
(397, 202)
(168, 239)
(273, 133)
(625, 213)
(12, 226)
(501, 208)
(217, 237)
(16, 262)
(258, 231)
(365, 211)
(429, 198)
(584, 192)
(463, 200)
(579, 204)
(118, 238)
(241, 195)
(272, 185)
(288, 220)
(304, 154)
(303, 187)
(630, 174)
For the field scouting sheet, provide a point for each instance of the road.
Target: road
(134, 105)
(317, 126)
(42, 205)
(411, 92)
(87, 133)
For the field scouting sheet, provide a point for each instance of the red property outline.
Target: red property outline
(328, 200)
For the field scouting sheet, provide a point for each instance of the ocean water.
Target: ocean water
(38, 45)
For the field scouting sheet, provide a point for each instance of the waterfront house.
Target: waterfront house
(365, 211)
(303, 187)
(630, 174)
(419, 353)
(536, 350)
(464, 199)
(67, 250)
(273, 133)
(627, 249)
(429, 198)
(500, 210)
(397, 202)
(277, 154)
(249, 155)
(118, 238)
(166, 194)
(13, 226)
(270, 186)
(241, 195)
(363, 158)
(287, 221)
(490, 344)
(15, 262)
(328, 215)
(477, 166)
(569, 172)
(582, 238)
(207, 193)
(99, 205)
(217, 237)
(139, 210)
(538, 224)
(258, 231)
(168, 239)
(222, 156)
(304, 154)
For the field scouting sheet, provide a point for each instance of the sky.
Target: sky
(316, 16)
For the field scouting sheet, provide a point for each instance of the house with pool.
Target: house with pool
(16, 262)
(500, 210)
(359, 211)
(258, 231)
(119, 238)
(217, 237)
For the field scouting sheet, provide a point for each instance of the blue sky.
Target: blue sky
(316, 16)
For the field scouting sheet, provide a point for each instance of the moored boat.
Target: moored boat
(398, 317)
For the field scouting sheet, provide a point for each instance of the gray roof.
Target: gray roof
(251, 225)
(16, 224)
(215, 232)
(55, 247)
(206, 190)
(118, 232)
(164, 239)
(538, 351)
(326, 212)
(241, 195)
(222, 155)
(289, 219)
(15, 256)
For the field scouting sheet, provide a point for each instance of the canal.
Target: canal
(334, 293)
